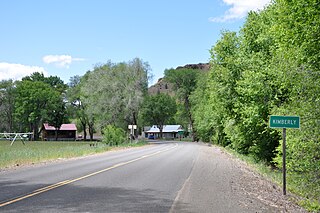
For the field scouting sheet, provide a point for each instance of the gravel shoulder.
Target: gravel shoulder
(220, 182)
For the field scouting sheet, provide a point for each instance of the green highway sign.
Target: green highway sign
(284, 122)
(292, 122)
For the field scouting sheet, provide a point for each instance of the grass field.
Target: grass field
(41, 151)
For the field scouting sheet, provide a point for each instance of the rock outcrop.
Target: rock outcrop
(200, 66)
(162, 86)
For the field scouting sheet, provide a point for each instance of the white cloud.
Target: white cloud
(17, 71)
(239, 9)
(60, 60)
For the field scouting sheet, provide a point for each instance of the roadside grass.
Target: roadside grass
(40, 151)
(275, 175)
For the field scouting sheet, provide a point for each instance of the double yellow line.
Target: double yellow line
(63, 183)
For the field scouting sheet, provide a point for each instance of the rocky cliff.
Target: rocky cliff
(162, 86)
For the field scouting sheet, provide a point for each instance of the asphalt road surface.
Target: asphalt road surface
(164, 177)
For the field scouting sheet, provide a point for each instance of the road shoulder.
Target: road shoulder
(221, 183)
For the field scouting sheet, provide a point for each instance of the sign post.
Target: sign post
(284, 170)
(284, 122)
(132, 128)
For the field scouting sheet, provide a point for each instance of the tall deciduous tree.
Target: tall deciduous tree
(39, 99)
(158, 110)
(297, 61)
(54, 81)
(7, 98)
(272, 67)
(77, 107)
(57, 116)
(34, 101)
(114, 92)
(184, 82)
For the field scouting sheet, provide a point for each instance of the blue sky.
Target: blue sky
(69, 37)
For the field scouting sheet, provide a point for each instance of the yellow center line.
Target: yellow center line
(63, 183)
(51, 186)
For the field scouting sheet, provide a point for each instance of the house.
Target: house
(168, 131)
(67, 132)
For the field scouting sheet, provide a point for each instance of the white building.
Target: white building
(168, 131)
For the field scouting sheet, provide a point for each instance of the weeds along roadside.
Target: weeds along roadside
(41, 151)
(275, 175)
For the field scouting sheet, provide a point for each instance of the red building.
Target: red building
(67, 132)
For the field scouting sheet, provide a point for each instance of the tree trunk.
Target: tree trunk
(161, 129)
(91, 130)
(84, 127)
(35, 132)
(85, 133)
(188, 109)
(10, 119)
(56, 134)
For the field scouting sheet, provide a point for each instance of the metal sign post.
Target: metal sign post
(132, 128)
(284, 122)
(284, 170)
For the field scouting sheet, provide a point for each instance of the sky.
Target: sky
(65, 38)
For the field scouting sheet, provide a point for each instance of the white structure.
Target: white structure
(13, 136)
(168, 131)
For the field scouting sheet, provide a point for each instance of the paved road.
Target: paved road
(165, 177)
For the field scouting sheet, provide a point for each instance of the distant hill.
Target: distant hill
(162, 86)
(200, 66)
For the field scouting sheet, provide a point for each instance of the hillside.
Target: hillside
(162, 86)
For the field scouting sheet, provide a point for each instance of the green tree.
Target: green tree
(296, 59)
(204, 116)
(76, 107)
(54, 81)
(257, 88)
(57, 116)
(158, 110)
(39, 99)
(114, 92)
(34, 101)
(215, 108)
(184, 83)
(7, 99)
(272, 67)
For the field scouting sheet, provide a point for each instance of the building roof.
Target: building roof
(64, 127)
(166, 128)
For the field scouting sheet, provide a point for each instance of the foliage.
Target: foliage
(113, 136)
(7, 98)
(114, 92)
(202, 110)
(298, 59)
(184, 83)
(270, 67)
(158, 110)
(57, 116)
(215, 96)
(34, 101)
(54, 81)
(77, 108)
(180, 117)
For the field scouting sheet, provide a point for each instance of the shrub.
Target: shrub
(113, 136)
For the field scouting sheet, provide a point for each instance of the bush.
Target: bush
(113, 136)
